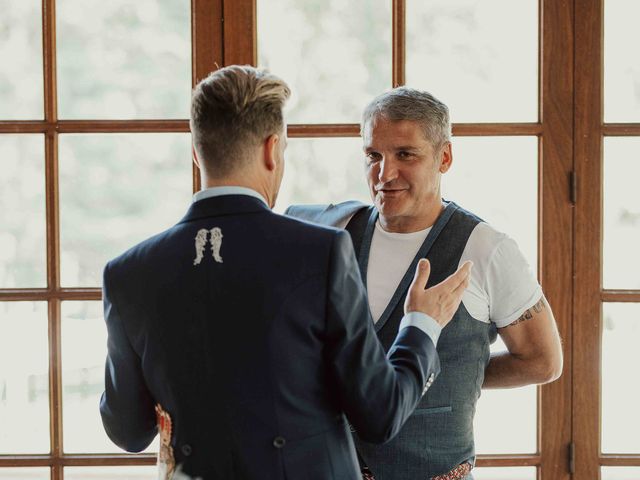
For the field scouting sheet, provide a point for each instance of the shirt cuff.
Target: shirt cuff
(423, 322)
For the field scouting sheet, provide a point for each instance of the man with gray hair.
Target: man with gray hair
(243, 337)
(407, 145)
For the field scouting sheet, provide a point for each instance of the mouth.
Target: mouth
(390, 192)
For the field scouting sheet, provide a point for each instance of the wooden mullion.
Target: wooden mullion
(24, 295)
(621, 129)
(587, 329)
(323, 130)
(26, 461)
(496, 129)
(508, 460)
(55, 386)
(44, 294)
(614, 460)
(240, 32)
(26, 126)
(122, 126)
(53, 229)
(631, 296)
(91, 460)
(76, 460)
(555, 223)
(459, 129)
(399, 42)
(207, 50)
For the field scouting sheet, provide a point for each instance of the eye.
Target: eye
(404, 154)
(373, 157)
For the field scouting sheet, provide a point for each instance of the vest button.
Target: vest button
(186, 450)
(279, 442)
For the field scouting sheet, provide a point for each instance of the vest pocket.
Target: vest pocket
(429, 411)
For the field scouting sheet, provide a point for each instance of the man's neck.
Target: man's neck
(247, 182)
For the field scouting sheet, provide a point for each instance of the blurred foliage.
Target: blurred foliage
(116, 190)
(123, 59)
(21, 91)
(22, 216)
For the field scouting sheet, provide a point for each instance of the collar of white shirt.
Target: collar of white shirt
(227, 190)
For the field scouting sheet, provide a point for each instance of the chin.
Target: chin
(389, 207)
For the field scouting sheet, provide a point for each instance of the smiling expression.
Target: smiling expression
(403, 172)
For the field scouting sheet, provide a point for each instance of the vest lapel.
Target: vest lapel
(442, 221)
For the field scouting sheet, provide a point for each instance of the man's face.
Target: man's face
(403, 172)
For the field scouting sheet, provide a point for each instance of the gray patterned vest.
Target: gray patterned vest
(439, 435)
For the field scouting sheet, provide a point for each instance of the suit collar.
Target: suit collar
(235, 204)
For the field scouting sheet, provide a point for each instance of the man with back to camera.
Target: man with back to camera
(407, 143)
(243, 337)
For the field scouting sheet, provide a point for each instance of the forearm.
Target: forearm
(507, 370)
(534, 351)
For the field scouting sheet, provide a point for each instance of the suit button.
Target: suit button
(186, 450)
(279, 442)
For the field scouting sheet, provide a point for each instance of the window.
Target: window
(546, 109)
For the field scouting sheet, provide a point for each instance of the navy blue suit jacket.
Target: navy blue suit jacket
(257, 359)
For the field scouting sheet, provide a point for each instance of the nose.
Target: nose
(388, 170)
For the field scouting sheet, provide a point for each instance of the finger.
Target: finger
(462, 274)
(460, 289)
(421, 277)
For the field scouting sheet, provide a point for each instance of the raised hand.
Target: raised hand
(441, 301)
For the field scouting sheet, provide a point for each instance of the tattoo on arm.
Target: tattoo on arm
(527, 315)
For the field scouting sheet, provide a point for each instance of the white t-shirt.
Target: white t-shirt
(502, 284)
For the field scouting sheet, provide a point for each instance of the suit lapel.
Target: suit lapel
(365, 248)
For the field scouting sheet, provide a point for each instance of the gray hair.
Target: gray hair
(404, 103)
(233, 110)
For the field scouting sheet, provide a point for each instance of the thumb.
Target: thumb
(423, 270)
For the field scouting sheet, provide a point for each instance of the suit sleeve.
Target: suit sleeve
(377, 392)
(127, 407)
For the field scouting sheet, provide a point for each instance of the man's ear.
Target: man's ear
(446, 158)
(194, 156)
(269, 149)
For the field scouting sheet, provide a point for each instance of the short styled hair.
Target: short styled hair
(404, 103)
(234, 110)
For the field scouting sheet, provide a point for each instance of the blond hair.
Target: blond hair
(234, 110)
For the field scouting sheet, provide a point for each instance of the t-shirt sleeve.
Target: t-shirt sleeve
(510, 283)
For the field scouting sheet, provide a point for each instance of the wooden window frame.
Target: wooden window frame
(590, 131)
(554, 131)
(570, 134)
(206, 54)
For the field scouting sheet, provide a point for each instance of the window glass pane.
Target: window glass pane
(21, 79)
(24, 473)
(621, 230)
(620, 388)
(621, 70)
(335, 55)
(620, 473)
(84, 349)
(117, 190)
(24, 378)
(497, 179)
(323, 170)
(504, 473)
(469, 55)
(23, 245)
(506, 420)
(123, 59)
(111, 473)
